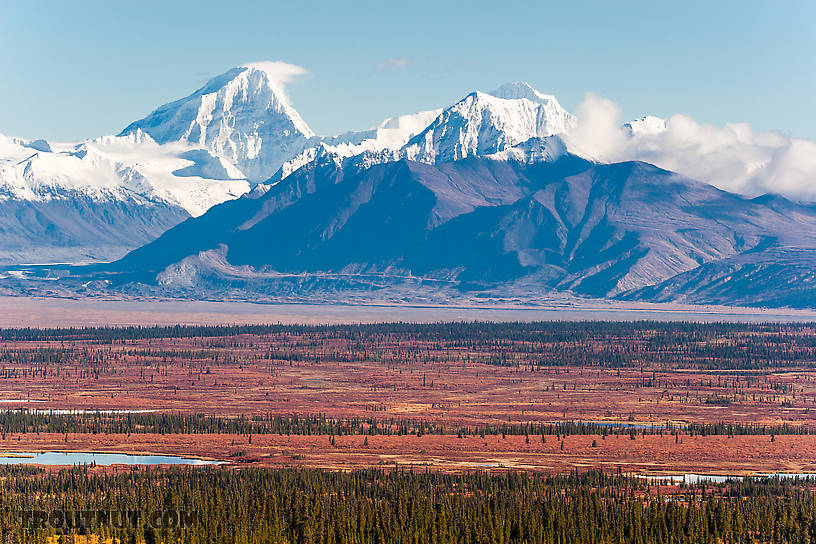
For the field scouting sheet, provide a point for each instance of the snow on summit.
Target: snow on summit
(242, 115)
(522, 89)
(647, 125)
(486, 123)
(514, 122)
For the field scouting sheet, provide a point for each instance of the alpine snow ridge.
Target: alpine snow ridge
(98, 199)
(513, 122)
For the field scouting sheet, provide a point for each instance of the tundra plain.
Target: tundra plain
(643, 397)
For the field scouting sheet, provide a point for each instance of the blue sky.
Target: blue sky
(81, 69)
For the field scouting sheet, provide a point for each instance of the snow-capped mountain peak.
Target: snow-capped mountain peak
(273, 75)
(483, 124)
(137, 137)
(522, 89)
(645, 126)
(514, 122)
(242, 115)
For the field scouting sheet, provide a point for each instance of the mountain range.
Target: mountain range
(227, 193)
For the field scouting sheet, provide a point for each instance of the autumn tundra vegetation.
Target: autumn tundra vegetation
(415, 433)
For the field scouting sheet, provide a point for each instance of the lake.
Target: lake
(103, 459)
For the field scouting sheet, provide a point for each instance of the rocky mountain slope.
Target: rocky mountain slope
(472, 226)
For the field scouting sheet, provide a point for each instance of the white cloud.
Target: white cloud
(734, 157)
(279, 73)
(597, 135)
(393, 64)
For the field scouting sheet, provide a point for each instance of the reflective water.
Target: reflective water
(104, 459)
(720, 478)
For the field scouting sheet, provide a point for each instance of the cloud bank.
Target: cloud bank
(733, 158)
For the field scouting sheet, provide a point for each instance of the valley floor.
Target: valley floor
(645, 455)
(21, 311)
(647, 397)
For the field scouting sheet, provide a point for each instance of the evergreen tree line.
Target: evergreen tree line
(25, 421)
(665, 333)
(394, 506)
(612, 344)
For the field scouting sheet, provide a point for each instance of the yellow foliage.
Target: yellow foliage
(81, 539)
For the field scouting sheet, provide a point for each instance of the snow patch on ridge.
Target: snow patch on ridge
(375, 145)
(118, 168)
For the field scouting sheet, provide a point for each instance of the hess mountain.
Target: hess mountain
(231, 195)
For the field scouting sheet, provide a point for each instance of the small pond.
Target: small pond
(104, 459)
